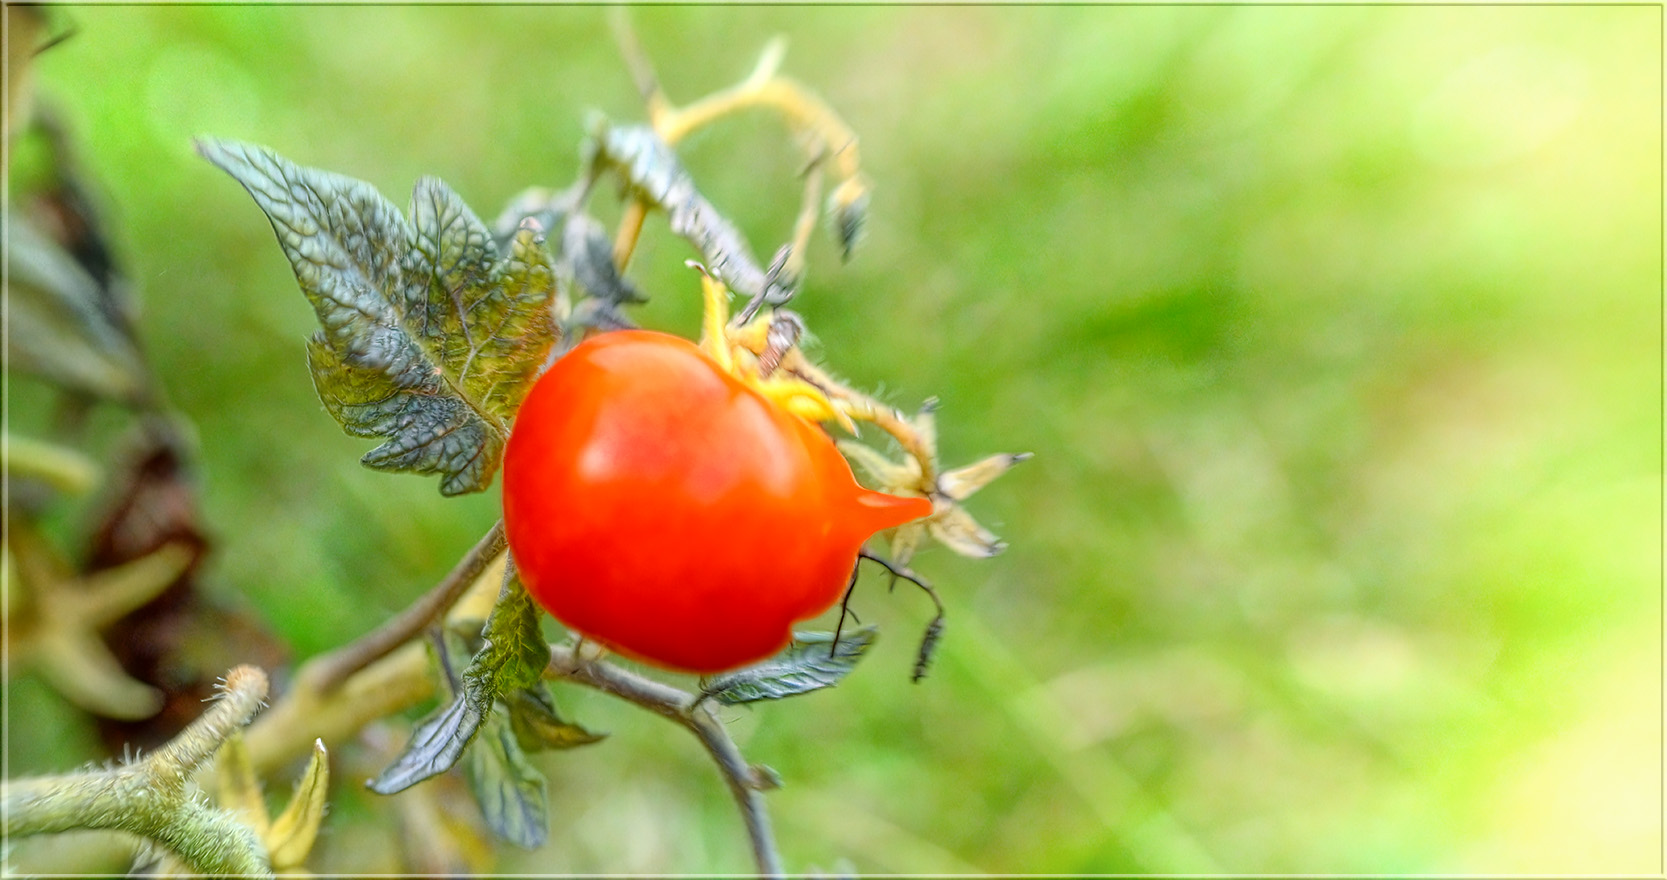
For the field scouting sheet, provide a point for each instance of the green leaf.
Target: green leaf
(436, 744)
(429, 338)
(538, 726)
(511, 792)
(810, 663)
(515, 653)
(512, 659)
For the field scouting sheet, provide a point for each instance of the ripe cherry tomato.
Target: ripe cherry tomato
(658, 505)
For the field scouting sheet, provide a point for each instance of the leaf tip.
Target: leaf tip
(215, 150)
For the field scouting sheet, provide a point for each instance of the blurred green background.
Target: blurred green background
(1336, 332)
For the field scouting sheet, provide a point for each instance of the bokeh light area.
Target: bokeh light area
(1336, 333)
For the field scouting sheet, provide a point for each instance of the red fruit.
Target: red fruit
(661, 507)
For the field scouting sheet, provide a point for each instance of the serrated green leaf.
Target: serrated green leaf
(430, 432)
(513, 658)
(538, 726)
(515, 653)
(807, 665)
(511, 792)
(429, 339)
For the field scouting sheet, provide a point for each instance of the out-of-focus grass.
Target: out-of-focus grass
(1336, 332)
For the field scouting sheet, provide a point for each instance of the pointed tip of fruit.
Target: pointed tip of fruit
(884, 511)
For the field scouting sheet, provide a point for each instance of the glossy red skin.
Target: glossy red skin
(659, 506)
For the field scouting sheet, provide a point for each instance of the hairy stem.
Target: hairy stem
(698, 718)
(338, 665)
(150, 798)
(863, 408)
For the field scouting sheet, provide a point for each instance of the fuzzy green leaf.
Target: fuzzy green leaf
(512, 659)
(429, 337)
(511, 792)
(810, 663)
(515, 653)
(436, 745)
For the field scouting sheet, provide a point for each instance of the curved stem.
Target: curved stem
(337, 666)
(863, 408)
(392, 675)
(150, 798)
(743, 784)
(827, 137)
(698, 718)
(795, 103)
(323, 703)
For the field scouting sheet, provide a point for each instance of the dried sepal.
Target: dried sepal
(961, 482)
(951, 526)
(54, 628)
(290, 837)
(430, 334)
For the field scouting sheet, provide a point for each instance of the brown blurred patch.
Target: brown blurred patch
(184, 639)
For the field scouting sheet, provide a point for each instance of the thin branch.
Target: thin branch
(339, 665)
(934, 629)
(385, 686)
(303, 714)
(403, 679)
(745, 782)
(844, 609)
